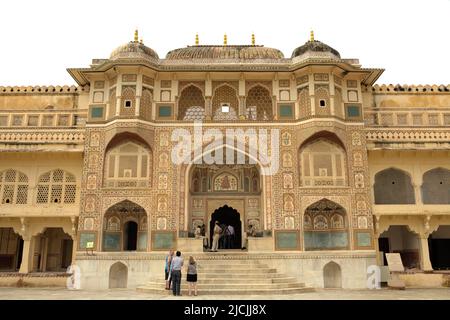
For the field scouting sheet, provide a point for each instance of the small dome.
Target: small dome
(316, 49)
(133, 50)
(224, 52)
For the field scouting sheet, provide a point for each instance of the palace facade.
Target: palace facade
(87, 173)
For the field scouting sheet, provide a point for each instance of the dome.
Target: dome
(133, 50)
(316, 49)
(224, 52)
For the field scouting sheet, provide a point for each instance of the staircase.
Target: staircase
(218, 276)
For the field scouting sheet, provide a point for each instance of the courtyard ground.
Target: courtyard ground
(129, 294)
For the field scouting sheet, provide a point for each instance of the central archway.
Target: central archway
(227, 216)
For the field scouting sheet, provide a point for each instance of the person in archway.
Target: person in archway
(216, 236)
(167, 269)
(222, 239)
(229, 234)
(251, 232)
(177, 264)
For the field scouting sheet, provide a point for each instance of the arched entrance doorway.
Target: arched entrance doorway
(227, 216)
(125, 227)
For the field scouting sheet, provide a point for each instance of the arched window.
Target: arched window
(436, 186)
(393, 186)
(225, 104)
(191, 105)
(128, 165)
(57, 186)
(146, 104)
(259, 104)
(128, 101)
(322, 164)
(325, 226)
(13, 187)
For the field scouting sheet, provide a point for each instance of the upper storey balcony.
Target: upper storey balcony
(225, 83)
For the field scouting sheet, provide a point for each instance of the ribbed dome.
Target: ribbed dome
(134, 49)
(316, 49)
(224, 52)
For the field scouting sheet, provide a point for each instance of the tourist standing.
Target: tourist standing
(216, 236)
(177, 264)
(167, 269)
(198, 232)
(230, 237)
(192, 275)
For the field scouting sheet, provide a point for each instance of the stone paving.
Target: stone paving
(130, 294)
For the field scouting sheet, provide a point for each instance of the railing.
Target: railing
(127, 183)
(408, 117)
(59, 118)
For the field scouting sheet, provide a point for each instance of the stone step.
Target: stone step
(233, 291)
(231, 266)
(237, 281)
(237, 286)
(229, 271)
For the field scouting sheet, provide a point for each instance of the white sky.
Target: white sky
(40, 39)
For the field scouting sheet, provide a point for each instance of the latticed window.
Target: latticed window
(191, 105)
(225, 96)
(322, 164)
(128, 166)
(57, 186)
(259, 98)
(13, 187)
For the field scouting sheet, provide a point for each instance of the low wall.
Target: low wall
(33, 280)
(426, 280)
(307, 267)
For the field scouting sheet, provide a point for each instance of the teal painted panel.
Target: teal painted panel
(364, 239)
(111, 241)
(165, 111)
(325, 240)
(85, 238)
(97, 112)
(163, 240)
(287, 240)
(353, 111)
(286, 111)
(142, 241)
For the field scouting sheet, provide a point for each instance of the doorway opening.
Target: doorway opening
(439, 246)
(227, 216)
(130, 236)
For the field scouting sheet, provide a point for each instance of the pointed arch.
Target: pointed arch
(13, 187)
(56, 187)
(225, 94)
(322, 161)
(332, 275)
(128, 162)
(118, 275)
(259, 103)
(191, 104)
(325, 226)
(436, 186)
(393, 186)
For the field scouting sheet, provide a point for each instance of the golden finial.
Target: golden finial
(136, 36)
(196, 39)
(225, 39)
(312, 36)
(253, 39)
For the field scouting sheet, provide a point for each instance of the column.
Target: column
(208, 108)
(74, 247)
(27, 254)
(118, 95)
(241, 107)
(425, 262)
(138, 95)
